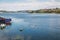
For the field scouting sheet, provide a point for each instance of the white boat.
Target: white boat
(2, 25)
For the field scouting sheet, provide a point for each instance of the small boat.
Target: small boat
(4, 20)
(2, 25)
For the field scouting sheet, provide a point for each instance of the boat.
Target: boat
(2, 25)
(5, 21)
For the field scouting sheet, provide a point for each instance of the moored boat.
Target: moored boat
(5, 21)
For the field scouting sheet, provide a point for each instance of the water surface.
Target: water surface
(25, 26)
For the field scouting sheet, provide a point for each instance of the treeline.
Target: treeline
(54, 10)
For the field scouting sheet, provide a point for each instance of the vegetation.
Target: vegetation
(52, 10)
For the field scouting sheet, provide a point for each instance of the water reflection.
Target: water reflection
(3, 26)
(17, 37)
(31, 27)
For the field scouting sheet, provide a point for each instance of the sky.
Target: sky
(13, 5)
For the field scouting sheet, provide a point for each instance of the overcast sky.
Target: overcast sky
(28, 4)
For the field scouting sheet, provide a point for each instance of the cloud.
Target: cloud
(57, 0)
(31, 5)
(52, 0)
(32, 0)
(14, 1)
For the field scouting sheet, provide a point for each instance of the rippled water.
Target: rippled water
(26, 26)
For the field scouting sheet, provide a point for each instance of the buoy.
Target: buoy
(21, 29)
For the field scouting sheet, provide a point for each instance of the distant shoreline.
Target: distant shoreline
(53, 10)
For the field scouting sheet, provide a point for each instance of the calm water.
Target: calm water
(26, 26)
